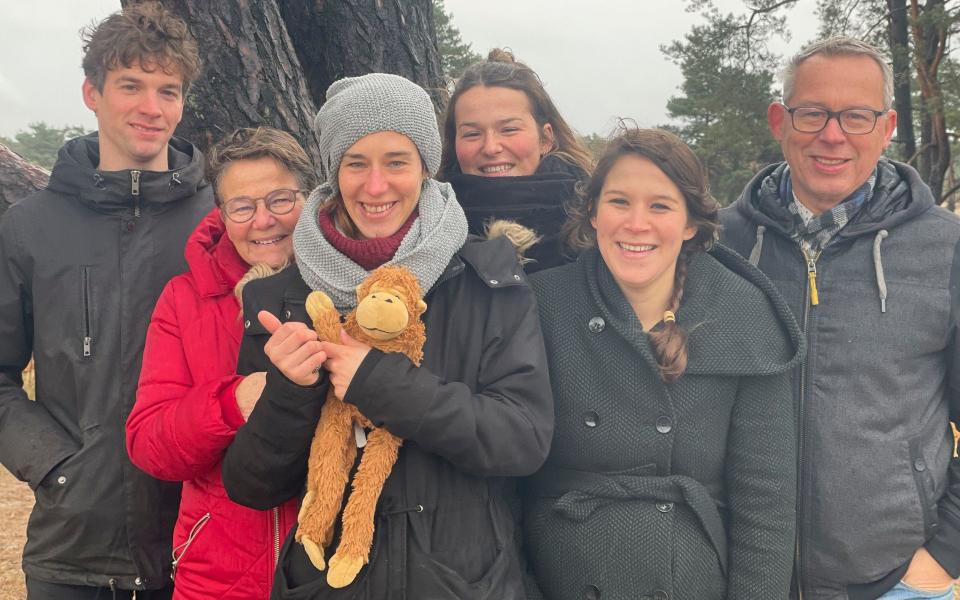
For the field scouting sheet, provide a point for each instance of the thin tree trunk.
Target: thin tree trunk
(899, 40)
(18, 178)
(929, 28)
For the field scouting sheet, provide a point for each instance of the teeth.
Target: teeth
(270, 241)
(637, 248)
(496, 169)
(141, 128)
(831, 162)
(378, 208)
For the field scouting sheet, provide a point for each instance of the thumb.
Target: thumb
(346, 340)
(268, 320)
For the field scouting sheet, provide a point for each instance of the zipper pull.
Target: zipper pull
(86, 345)
(812, 277)
(135, 192)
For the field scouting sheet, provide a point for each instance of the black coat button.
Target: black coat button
(664, 507)
(591, 419)
(591, 592)
(596, 324)
(660, 595)
(664, 424)
(920, 465)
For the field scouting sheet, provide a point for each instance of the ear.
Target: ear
(889, 124)
(689, 232)
(546, 139)
(777, 119)
(421, 305)
(91, 95)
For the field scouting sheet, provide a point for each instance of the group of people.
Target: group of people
(632, 394)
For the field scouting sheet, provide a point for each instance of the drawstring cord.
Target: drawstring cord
(113, 588)
(878, 268)
(758, 246)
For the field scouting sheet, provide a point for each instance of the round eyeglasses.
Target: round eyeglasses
(242, 208)
(813, 119)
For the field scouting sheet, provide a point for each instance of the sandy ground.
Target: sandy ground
(16, 500)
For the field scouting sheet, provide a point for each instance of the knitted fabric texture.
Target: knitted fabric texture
(370, 253)
(434, 237)
(359, 106)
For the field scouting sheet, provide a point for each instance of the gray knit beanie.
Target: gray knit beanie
(359, 106)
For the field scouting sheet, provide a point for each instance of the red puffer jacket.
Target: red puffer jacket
(186, 416)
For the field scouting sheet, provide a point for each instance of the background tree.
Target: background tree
(18, 178)
(455, 54)
(41, 142)
(728, 76)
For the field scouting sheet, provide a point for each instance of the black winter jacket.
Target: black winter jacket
(681, 491)
(478, 411)
(81, 266)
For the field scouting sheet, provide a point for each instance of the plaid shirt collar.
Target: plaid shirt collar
(814, 232)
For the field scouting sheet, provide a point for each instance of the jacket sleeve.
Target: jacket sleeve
(266, 464)
(179, 427)
(761, 488)
(944, 546)
(32, 442)
(504, 427)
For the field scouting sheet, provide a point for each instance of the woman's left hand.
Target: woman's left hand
(343, 360)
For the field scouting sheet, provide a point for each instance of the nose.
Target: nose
(637, 220)
(263, 218)
(832, 133)
(150, 104)
(376, 183)
(491, 144)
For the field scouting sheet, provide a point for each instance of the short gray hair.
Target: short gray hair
(839, 46)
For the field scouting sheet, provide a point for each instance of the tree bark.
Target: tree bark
(251, 74)
(18, 178)
(930, 31)
(899, 40)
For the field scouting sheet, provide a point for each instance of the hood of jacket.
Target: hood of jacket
(76, 173)
(213, 259)
(899, 195)
(736, 321)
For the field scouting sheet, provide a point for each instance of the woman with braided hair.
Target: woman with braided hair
(671, 473)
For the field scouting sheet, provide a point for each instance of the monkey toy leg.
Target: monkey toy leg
(331, 457)
(326, 319)
(356, 538)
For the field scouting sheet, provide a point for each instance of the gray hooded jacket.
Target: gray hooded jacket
(881, 379)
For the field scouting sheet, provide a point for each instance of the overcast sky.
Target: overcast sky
(599, 59)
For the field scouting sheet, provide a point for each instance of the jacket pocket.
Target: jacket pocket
(86, 306)
(925, 488)
(180, 551)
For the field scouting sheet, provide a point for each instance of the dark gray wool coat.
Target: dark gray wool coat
(659, 491)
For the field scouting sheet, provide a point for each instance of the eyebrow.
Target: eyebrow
(500, 122)
(392, 154)
(617, 192)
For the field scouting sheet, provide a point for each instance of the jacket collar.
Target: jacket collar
(737, 323)
(213, 260)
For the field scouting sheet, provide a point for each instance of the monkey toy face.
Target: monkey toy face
(382, 314)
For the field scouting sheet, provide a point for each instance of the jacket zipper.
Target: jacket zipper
(135, 192)
(194, 532)
(276, 536)
(87, 339)
(810, 298)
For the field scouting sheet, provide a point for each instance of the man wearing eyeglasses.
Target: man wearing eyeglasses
(870, 266)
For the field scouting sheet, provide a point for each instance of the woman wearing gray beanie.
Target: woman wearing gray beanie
(477, 412)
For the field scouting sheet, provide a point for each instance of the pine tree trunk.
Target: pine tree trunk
(930, 33)
(18, 178)
(899, 40)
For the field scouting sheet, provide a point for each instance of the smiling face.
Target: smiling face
(641, 223)
(826, 167)
(137, 112)
(266, 238)
(380, 178)
(497, 134)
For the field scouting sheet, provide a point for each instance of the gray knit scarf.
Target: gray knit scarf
(435, 236)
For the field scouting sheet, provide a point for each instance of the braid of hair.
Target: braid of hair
(670, 341)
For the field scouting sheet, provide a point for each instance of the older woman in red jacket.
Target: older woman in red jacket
(190, 401)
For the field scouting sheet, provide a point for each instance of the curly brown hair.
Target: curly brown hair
(678, 162)
(145, 34)
(501, 69)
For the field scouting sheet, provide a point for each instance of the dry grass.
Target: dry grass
(16, 500)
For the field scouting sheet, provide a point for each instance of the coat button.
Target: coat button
(286, 314)
(517, 277)
(138, 581)
(591, 592)
(61, 480)
(664, 507)
(494, 282)
(596, 324)
(246, 324)
(591, 419)
(919, 464)
(660, 595)
(664, 424)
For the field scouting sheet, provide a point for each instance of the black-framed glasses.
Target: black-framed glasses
(242, 208)
(813, 119)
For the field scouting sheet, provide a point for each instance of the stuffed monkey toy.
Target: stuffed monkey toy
(387, 317)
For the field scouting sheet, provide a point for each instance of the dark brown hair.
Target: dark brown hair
(678, 162)
(502, 70)
(145, 34)
(260, 142)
